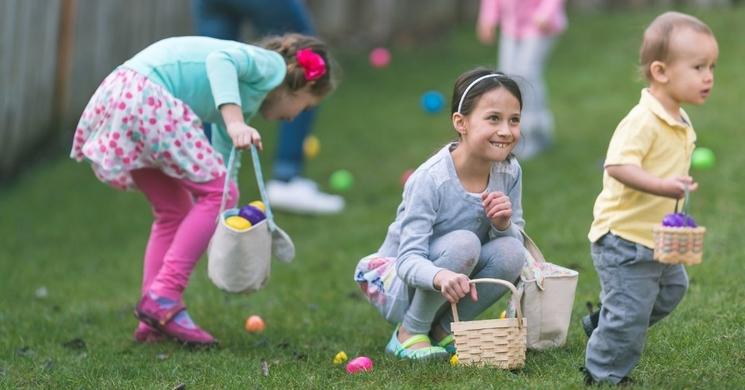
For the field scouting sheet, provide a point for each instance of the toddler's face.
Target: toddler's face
(493, 127)
(281, 104)
(691, 68)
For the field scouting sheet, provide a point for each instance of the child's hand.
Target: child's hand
(542, 23)
(244, 135)
(454, 286)
(675, 187)
(485, 33)
(498, 208)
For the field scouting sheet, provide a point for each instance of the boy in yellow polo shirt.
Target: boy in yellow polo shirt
(646, 170)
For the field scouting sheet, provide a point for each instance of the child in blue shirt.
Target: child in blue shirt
(460, 218)
(142, 129)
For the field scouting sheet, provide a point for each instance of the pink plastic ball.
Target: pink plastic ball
(405, 176)
(360, 364)
(380, 57)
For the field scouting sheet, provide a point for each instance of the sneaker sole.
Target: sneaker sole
(300, 210)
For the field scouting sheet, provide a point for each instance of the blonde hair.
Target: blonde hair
(287, 46)
(657, 37)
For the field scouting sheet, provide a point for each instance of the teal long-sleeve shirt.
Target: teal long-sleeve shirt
(206, 73)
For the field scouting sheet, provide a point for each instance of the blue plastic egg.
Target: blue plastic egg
(432, 102)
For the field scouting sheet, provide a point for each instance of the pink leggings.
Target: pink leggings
(185, 215)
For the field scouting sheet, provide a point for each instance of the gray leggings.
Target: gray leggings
(527, 58)
(461, 251)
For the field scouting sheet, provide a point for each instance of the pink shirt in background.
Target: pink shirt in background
(518, 17)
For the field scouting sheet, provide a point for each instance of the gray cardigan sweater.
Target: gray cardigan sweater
(435, 203)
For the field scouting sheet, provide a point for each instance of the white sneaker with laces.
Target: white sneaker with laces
(302, 196)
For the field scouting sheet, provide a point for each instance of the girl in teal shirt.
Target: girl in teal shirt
(142, 129)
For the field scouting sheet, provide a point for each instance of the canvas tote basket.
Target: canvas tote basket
(498, 343)
(239, 261)
(547, 299)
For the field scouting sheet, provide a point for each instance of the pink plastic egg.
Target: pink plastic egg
(380, 57)
(360, 364)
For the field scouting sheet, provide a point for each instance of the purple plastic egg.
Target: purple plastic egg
(690, 222)
(670, 220)
(678, 220)
(252, 214)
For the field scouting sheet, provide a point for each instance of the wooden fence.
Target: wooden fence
(53, 53)
(28, 45)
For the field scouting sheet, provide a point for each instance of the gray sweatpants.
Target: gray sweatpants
(461, 251)
(636, 292)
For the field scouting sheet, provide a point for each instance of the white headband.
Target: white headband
(468, 88)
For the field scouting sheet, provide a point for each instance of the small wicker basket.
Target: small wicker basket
(679, 245)
(499, 343)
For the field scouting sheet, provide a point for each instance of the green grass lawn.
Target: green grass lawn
(63, 230)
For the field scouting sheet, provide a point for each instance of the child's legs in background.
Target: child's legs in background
(531, 57)
(457, 251)
(631, 286)
(502, 258)
(507, 55)
(526, 59)
(288, 162)
(194, 231)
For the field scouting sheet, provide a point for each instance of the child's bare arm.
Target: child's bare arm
(639, 179)
(240, 133)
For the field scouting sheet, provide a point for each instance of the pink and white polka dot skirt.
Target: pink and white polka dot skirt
(132, 123)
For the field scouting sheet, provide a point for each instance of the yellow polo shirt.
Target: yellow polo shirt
(652, 139)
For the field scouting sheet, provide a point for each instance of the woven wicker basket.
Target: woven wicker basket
(498, 343)
(678, 245)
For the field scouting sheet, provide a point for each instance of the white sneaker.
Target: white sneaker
(302, 196)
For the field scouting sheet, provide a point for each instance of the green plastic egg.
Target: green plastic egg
(703, 158)
(341, 180)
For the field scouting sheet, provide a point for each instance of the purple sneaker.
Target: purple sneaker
(146, 334)
(170, 318)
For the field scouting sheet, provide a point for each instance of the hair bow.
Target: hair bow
(312, 63)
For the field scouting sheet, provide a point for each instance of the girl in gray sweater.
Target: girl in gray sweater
(460, 218)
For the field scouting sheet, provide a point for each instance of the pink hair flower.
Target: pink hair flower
(312, 63)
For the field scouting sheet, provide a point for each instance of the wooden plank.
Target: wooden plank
(16, 91)
(64, 58)
(8, 28)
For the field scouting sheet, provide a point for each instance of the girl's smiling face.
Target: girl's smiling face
(492, 129)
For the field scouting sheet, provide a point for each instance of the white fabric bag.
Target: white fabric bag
(239, 261)
(547, 298)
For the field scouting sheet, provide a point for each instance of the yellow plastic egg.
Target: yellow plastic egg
(454, 360)
(311, 146)
(237, 222)
(259, 205)
(340, 358)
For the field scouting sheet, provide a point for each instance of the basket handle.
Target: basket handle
(531, 246)
(686, 200)
(515, 298)
(259, 182)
